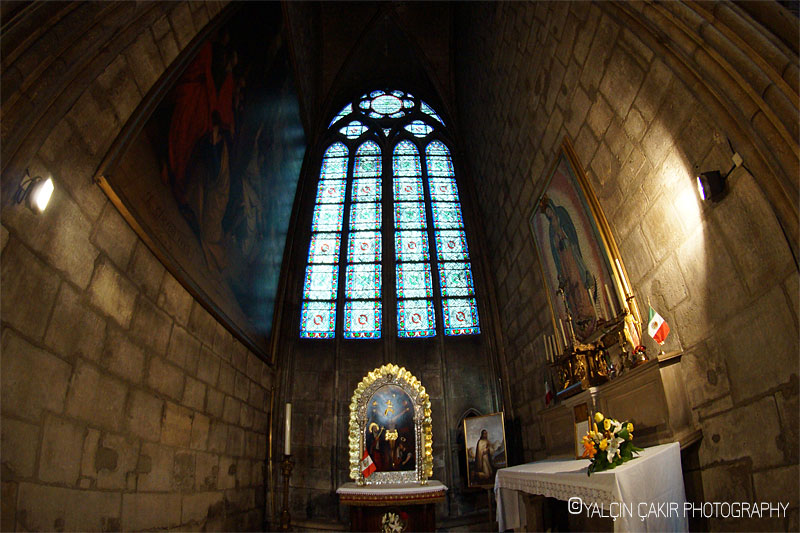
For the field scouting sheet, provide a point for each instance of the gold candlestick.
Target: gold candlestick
(286, 470)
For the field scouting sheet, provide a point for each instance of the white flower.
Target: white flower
(613, 448)
(616, 425)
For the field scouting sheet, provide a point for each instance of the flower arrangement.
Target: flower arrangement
(610, 445)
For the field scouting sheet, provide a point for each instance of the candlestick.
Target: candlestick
(624, 281)
(286, 471)
(612, 307)
(287, 442)
(553, 347)
(594, 305)
(546, 350)
(564, 335)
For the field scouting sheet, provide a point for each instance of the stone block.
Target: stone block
(155, 468)
(8, 506)
(227, 473)
(654, 88)
(605, 166)
(183, 346)
(88, 471)
(202, 324)
(765, 327)
(145, 413)
(231, 410)
(194, 394)
(114, 236)
(94, 120)
(788, 402)
(24, 392)
(146, 271)
(150, 511)
(214, 402)
(115, 457)
(223, 341)
(257, 397)
(217, 436)
(254, 365)
(243, 473)
(227, 377)
(246, 416)
(705, 374)
(196, 507)
(175, 300)
(95, 397)
(74, 329)
(62, 444)
(208, 366)
(602, 44)
(151, 326)
(251, 444)
(122, 357)
(621, 81)
(144, 61)
(726, 438)
(177, 427)
(206, 471)
(20, 445)
(239, 358)
(241, 386)
(777, 485)
(165, 378)
(183, 471)
(200, 429)
(3, 237)
(112, 292)
(49, 508)
(119, 88)
(728, 483)
(28, 291)
(181, 20)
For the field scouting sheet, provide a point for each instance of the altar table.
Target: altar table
(654, 478)
(414, 503)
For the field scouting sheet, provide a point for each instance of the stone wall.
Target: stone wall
(125, 404)
(722, 275)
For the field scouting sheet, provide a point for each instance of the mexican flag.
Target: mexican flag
(548, 392)
(657, 327)
(366, 464)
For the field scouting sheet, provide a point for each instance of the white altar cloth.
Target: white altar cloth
(640, 485)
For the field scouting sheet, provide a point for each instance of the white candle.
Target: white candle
(594, 305)
(564, 335)
(553, 347)
(287, 442)
(611, 307)
(624, 281)
(546, 349)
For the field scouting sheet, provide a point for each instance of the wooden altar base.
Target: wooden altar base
(412, 504)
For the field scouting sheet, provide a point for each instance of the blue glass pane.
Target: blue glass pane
(455, 279)
(398, 94)
(409, 215)
(443, 189)
(405, 161)
(334, 167)
(353, 130)
(366, 190)
(368, 160)
(364, 104)
(364, 247)
(460, 316)
(451, 245)
(318, 320)
(408, 104)
(406, 148)
(330, 191)
(414, 280)
(397, 115)
(320, 282)
(362, 320)
(415, 318)
(387, 131)
(446, 216)
(327, 217)
(387, 104)
(344, 112)
(375, 94)
(411, 246)
(408, 189)
(427, 110)
(324, 248)
(363, 281)
(373, 114)
(365, 216)
(436, 148)
(418, 128)
(439, 162)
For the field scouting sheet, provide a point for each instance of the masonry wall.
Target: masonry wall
(125, 405)
(722, 275)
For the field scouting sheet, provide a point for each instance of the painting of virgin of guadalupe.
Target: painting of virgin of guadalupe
(209, 179)
(575, 263)
(389, 438)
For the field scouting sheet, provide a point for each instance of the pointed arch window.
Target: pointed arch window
(391, 138)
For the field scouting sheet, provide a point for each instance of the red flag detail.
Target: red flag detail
(366, 464)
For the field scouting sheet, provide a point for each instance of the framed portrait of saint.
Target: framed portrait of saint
(485, 441)
(581, 268)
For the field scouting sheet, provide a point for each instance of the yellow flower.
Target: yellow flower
(630, 436)
(594, 427)
(606, 424)
(598, 417)
(630, 427)
(603, 444)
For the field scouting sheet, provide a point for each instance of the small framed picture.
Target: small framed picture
(581, 421)
(485, 441)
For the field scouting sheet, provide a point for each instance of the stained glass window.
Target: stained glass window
(349, 189)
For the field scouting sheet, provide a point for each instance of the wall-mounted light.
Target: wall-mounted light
(711, 185)
(36, 190)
